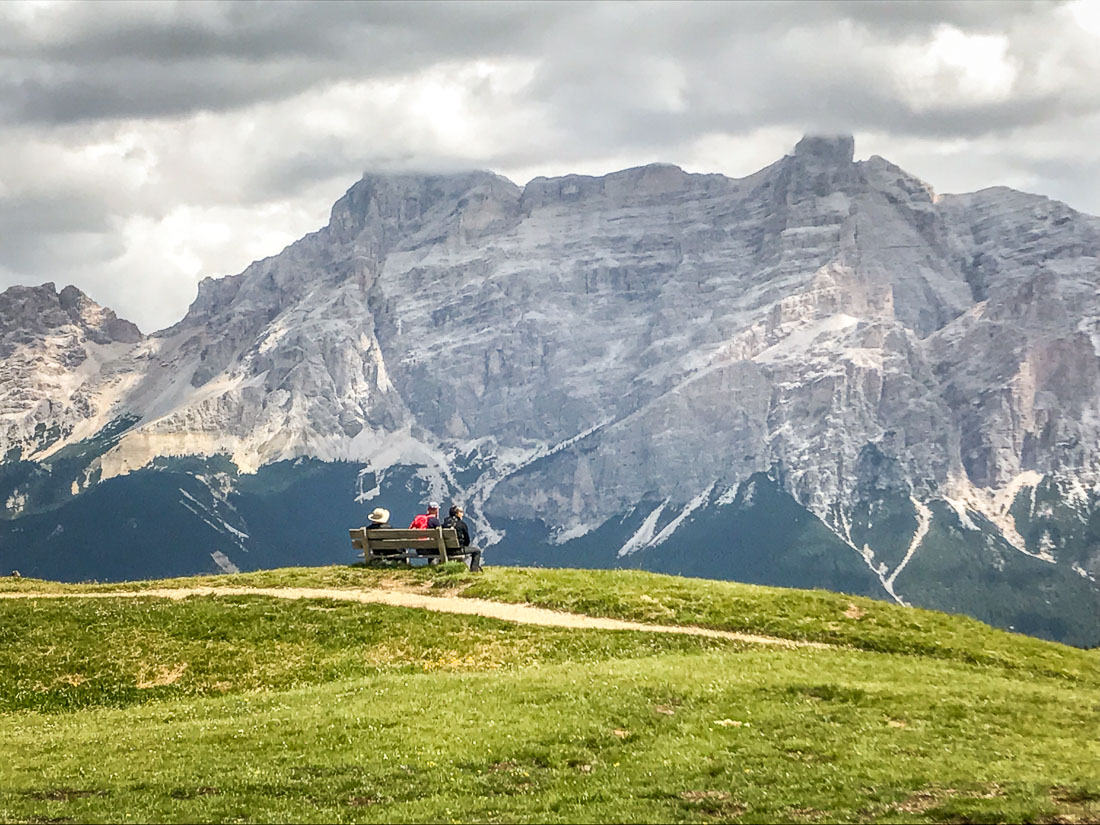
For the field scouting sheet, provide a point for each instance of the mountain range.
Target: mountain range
(821, 375)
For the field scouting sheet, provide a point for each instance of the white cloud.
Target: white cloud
(165, 258)
(955, 69)
(1085, 14)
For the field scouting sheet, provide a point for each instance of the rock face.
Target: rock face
(641, 351)
(56, 352)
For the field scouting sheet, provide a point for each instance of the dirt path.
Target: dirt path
(519, 613)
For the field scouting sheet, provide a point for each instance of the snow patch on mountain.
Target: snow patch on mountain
(16, 502)
(727, 497)
(802, 340)
(689, 508)
(224, 563)
(962, 513)
(643, 536)
(994, 505)
(924, 521)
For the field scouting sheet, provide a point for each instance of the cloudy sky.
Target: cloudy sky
(145, 146)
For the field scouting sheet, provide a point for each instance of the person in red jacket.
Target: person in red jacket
(428, 520)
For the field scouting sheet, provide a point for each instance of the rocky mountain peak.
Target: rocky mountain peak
(654, 180)
(34, 310)
(27, 307)
(826, 149)
(53, 346)
(384, 208)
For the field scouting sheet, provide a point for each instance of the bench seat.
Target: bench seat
(394, 545)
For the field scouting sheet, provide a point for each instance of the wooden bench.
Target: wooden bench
(393, 545)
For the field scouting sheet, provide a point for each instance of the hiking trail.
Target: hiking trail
(519, 613)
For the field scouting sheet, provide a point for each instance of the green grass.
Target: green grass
(219, 709)
(812, 615)
(59, 655)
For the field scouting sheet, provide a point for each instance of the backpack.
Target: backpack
(420, 522)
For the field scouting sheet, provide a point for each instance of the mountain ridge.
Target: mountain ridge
(571, 349)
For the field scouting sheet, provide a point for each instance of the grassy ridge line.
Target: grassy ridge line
(349, 576)
(801, 615)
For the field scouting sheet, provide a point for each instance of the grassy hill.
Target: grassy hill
(251, 708)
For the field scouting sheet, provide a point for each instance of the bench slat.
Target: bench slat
(416, 554)
(388, 533)
(411, 537)
(422, 547)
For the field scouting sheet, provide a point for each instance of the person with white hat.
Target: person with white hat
(379, 518)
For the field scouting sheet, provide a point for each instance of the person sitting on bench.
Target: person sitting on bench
(456, 521)
(428, 520)
(379, 518)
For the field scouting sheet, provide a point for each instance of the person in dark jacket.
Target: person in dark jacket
(455, 520)
(379, 518)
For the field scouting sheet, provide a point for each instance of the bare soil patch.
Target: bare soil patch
(161, 676)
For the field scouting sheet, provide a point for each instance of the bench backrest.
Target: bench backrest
(387, 541)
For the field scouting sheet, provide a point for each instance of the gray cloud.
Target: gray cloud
(155, 143)
(151, 60)
(135, 60)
